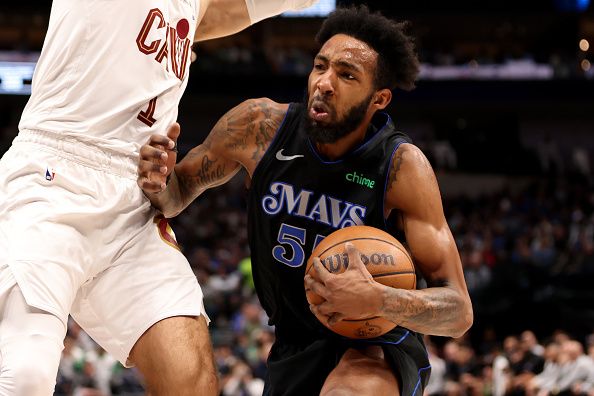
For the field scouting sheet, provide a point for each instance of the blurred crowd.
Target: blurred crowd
(522, 244)
(545, 228)
(520, 365)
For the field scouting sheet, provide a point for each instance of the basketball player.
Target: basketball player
(334, 161)
(77, 235)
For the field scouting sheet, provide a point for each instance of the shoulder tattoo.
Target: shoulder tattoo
(395, 168)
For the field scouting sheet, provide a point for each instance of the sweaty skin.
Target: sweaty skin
(341, 77)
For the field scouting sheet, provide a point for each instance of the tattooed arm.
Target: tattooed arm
(443, 308)
(239, 139)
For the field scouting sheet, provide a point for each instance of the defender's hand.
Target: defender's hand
(157, 160)
(353, 294)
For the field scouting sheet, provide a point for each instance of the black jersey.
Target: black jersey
(297, 198)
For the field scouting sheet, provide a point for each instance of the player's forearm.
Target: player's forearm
(223, 18)
(169, 201)
(435, 311)
(226, 17)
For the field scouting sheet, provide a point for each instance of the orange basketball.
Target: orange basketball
(386, 260)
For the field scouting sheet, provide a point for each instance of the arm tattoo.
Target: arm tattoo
(209, 172)
(435, 311)
(266, 129)
(392, 178)
(239, 127)
(249, 126)
(244, 131)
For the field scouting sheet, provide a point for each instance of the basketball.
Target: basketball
(384, 257)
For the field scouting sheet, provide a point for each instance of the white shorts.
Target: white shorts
(80, 237)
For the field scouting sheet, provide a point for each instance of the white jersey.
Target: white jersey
(112, 72)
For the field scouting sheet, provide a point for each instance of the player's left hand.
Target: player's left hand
(353, 294)
(157, 160)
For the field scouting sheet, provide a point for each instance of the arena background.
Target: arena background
(504, 109)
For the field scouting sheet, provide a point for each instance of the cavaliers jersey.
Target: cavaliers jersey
(297, 198)
(112, 72)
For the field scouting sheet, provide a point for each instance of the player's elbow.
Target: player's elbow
(466, 318)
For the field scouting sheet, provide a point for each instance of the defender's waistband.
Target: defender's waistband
(84, 152)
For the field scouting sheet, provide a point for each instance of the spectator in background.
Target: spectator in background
(501, 375)
(576, 367)
(437, 381)
(265, 341)
(524, 365)
(585, 386)
(546, 381)
(463, 371)
(241, 381)
(530, 343)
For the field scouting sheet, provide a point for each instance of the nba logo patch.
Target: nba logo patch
(166, 232)
(49, 174)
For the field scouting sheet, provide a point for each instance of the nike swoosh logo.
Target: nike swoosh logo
(281, 157)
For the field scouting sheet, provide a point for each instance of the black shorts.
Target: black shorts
(296, 369)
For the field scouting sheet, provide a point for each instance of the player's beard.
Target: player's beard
(333, 131)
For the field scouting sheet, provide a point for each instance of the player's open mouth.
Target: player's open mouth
(319, 112)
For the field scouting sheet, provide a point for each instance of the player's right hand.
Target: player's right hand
(157, 160)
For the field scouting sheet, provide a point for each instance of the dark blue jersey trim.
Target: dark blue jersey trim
(419, 379)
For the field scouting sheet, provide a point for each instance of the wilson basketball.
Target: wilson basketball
(384, 257)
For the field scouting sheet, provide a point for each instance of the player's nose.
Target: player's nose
(325, 84)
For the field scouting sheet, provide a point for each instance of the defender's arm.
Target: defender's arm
(226, 17)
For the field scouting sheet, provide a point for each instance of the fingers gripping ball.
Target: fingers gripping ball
(384, 257)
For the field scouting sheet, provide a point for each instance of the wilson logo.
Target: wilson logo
(339, 262)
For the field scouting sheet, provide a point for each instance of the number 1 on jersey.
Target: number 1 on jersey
(146, 116)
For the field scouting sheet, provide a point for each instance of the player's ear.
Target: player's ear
(382, 99)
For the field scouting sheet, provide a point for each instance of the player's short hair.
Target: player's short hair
(397, 65)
